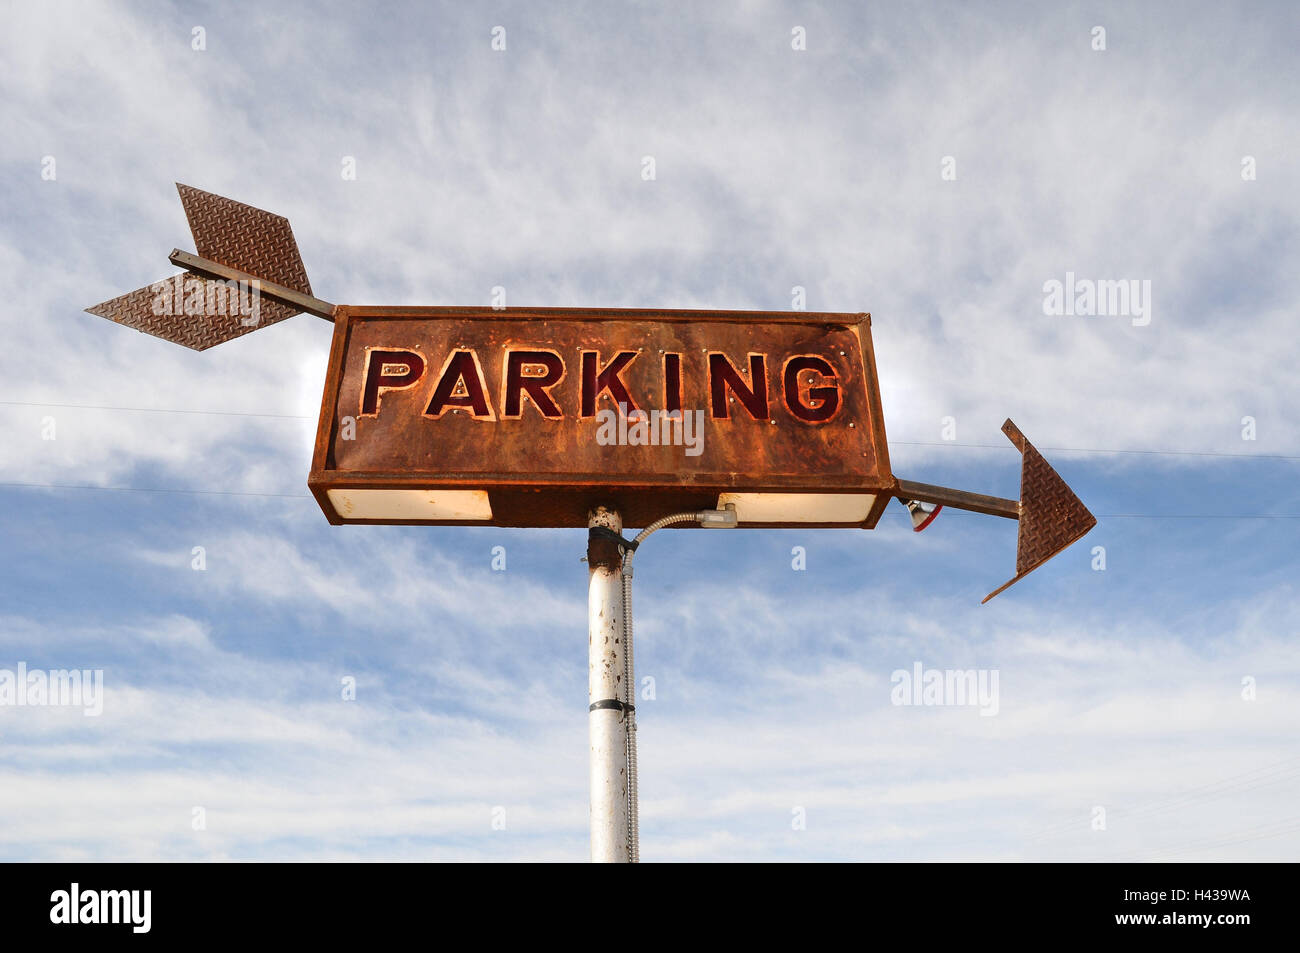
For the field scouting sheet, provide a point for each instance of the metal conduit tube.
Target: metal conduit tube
(725, 518)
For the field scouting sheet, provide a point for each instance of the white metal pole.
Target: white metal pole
(606, 719)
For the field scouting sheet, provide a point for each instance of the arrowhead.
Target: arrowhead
(1051, 516)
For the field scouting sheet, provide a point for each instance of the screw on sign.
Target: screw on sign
(520, 417)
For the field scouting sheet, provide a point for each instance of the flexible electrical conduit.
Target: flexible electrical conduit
(629, 685)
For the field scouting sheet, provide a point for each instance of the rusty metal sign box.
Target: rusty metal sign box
(530, 417)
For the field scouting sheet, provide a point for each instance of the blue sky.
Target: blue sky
(775, 168)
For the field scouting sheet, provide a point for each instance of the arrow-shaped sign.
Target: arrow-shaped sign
(494, 416)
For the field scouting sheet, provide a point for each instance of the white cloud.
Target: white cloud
(774, 169)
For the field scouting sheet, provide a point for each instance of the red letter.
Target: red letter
(672, 381)
(824, 400)
(381, 374)
(461, 385)
(722, 375)
(535, 386)
(608, 379)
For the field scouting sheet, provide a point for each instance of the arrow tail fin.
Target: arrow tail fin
(245, 238)
(195, 310)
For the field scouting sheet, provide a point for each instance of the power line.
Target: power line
(1284, 770)
(155, 410)
(1191, 453)
(900, 443)
(1198, 516)
(1277, 828)
(156, 489)
(1273, 775)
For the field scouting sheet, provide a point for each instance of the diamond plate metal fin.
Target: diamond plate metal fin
(137, 309)
(243, 237)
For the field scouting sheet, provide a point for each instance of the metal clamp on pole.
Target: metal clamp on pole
(606, 535)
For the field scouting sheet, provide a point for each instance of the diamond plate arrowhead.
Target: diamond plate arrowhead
(1051, 516)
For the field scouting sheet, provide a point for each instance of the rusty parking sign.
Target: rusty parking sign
(531, 417)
